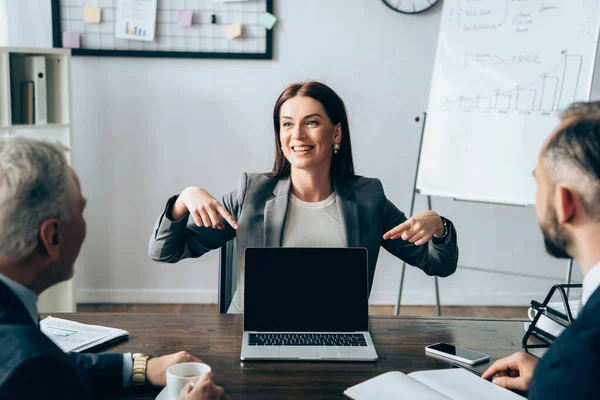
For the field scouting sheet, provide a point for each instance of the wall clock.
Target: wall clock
(410, 6)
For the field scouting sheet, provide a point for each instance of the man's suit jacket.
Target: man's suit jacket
(33, 367)
(260, 204)
(571, 367)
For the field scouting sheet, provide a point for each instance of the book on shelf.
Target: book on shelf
(27, 102)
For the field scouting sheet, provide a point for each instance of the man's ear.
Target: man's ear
(50, 238)
(565, 201)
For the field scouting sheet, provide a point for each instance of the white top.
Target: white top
(313, 224)
(591, 282)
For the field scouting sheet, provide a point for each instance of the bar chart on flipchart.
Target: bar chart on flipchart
(552, 90)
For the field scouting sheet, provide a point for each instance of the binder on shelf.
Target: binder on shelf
(35, 70)
(27, 102)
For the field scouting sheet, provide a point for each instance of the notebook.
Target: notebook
(443, 384)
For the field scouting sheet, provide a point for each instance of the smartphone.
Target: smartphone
(456, 353)
(471, 370)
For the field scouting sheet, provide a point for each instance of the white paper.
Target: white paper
(136, 19)
(75, 336)
(459, 384)
(392, 386)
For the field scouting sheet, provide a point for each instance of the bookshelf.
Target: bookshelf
(60, 298)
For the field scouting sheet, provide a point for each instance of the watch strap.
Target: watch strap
(140, 363)
(441, 239)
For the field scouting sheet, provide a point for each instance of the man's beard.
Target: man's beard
(556, 239)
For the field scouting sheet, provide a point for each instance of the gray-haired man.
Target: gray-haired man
(41, 231)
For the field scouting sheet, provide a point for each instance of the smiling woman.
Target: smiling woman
(311, 198)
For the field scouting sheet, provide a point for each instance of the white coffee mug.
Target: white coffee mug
(547, 324)
(179, 375)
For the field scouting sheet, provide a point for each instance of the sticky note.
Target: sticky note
(70, 40)
(268, 20)
(92, 15)
(184, 18)
(233, 31)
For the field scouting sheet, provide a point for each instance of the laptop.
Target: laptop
(306, 304)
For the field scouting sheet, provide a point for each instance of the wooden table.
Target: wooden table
(216, 339)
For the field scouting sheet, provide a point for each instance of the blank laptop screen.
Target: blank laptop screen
(306, 290)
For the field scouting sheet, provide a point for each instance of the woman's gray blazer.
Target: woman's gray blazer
(259, 205)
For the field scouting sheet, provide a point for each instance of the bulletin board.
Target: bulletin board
(205, 38)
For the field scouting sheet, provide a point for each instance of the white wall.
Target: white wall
(4, 23)
(147, 128)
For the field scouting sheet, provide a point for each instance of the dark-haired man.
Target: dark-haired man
(568, 207)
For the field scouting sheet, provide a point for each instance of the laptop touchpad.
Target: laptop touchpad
(309, 351)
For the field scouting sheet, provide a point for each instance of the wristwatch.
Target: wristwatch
(140, 361)
(445, 234)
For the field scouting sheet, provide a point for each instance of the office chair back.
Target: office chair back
(226, 275)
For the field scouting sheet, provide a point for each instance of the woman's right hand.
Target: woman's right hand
(203, 389)
(204, 209)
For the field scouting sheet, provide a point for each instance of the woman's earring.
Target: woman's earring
(336, 147)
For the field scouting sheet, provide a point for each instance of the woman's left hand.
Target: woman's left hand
(418, 229)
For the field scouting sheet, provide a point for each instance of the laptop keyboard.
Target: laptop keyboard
(306, 339)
